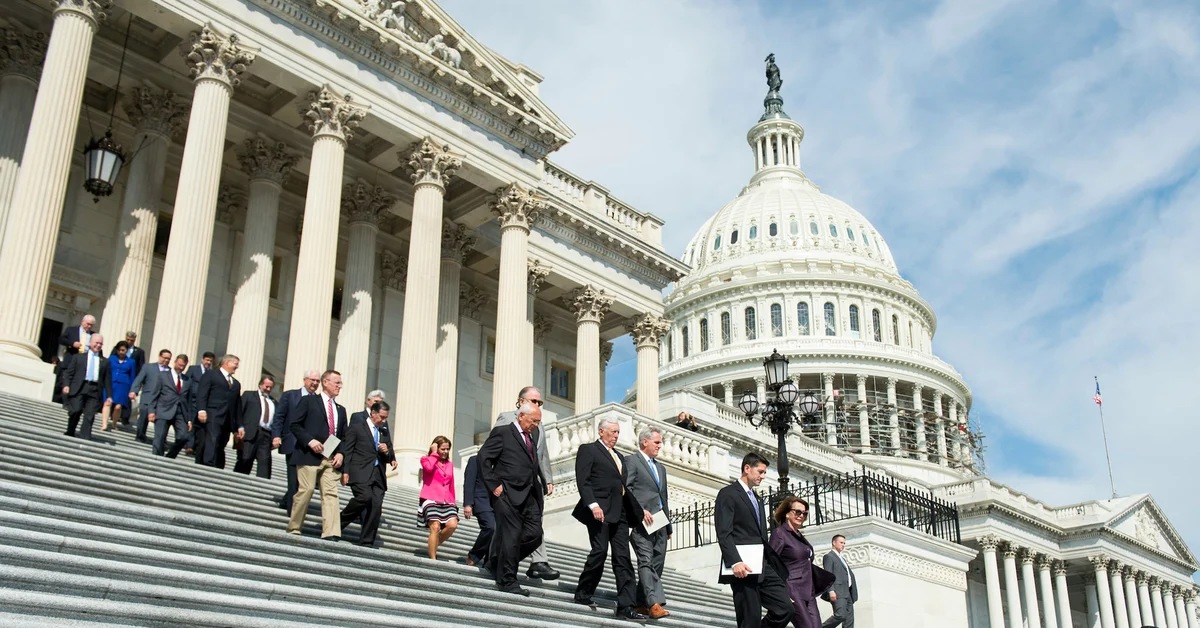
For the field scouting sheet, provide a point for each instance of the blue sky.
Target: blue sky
(1034, 166)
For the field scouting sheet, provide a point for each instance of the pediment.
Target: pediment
(1145, 522)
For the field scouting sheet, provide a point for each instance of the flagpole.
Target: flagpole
(1104, 433)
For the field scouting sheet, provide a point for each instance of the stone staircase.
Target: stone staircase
(102, 533)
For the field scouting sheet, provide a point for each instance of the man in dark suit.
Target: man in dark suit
(603, 507)
(135, 352)
(86, 383)
(478, 504)
(362, 456)
(313, 421)
(78, 339)
(148, 377)
(646, 481)
(254, 429)
(373, 397)
(508, 463)
(539, 566)
(165, 400)
(844, 592)
(740, 520)
(281, 432)
(216, 408)
(196, 372)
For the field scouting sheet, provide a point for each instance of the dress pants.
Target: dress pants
(257, 448)
(84, 405)
(143, 420)
(366, 506)
(308, 477)
(752, 594)
(606, 536)
(210, 446)
(651, 551)
(293, 485)
(518, 533)
(843, 614)
(162, 426)
(483, 543)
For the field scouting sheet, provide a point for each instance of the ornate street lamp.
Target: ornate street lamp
(104, 157)
(780, 411)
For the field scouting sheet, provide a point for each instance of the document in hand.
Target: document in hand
(331, 444)
(752, 555)
(660, 522)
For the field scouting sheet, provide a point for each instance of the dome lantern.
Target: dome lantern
(776, 138)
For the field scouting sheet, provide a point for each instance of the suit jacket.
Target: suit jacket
(475, 493)
(791, 546)
(194, 374)
(600, 482)
(645, 493)
(218, 398)
(279, 423)
(69, 337)
(359, 453)
(138, 356)
(504, 461)
(250, 412)
(308, 421)
(842, 586)
(145, 378)
(736, 524)
(510, 417)
(76, 373)
(160, 397)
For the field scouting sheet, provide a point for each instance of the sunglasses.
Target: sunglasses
(798, 512)
(537, 402)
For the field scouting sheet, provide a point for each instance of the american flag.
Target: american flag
(1096, 397)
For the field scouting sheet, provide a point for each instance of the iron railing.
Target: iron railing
(831, 500)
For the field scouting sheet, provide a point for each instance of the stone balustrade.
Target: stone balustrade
(592, 199)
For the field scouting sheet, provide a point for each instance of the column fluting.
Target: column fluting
(589, 305)
(1104, 598)
(648, 330)
(1120, 610)
(1029, 582)
(1064, 595)
(457, 242)
(536, 276)
(893, 416)
(1132, 604)
(864, 416)
(21, 59)
(1044, 563)
(991, 576)
(1156, 602)
(1012, 590)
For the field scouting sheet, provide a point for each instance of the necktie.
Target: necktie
(263, 419)
(616, 460)
(91, 367)
(229, 380)
(329, 408)
(757, 510)
(375, 437)
(657, 482)
(528, 444)
(178, 382)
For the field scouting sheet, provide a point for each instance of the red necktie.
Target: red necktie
(178, 384)
(329, 406)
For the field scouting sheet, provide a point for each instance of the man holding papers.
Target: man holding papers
(314, 422)
(749, 565)
(646, 480)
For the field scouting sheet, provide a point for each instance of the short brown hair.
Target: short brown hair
(785, 506)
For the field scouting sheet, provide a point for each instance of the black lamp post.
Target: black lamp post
(104, 157)
(780, 411)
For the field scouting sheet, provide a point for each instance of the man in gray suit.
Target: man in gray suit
(145, 379)
(540, 565)
(167, 406)
(646, 480)
(844, 593)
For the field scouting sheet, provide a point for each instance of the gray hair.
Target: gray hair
(377, 393)
(229, 357)
(525, 409)
(312, 374)
(648, 433)
(606, 422)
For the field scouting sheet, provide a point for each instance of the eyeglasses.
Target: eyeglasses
(799, 513)
(537, 402)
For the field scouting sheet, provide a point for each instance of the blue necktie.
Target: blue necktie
(658, 482)
(91, 368)
(375, 437)
(757, 514)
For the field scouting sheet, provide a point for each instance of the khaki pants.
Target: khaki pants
(307, 477)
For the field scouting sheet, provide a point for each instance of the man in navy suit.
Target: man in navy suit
(78, 339)
(312, 422)
(254, 429)
(167, 407)
(216, 408)
(196, 372)
(281, 432)
(739, 519)
(362, 456)
(477, 503)
(87, 382)
(135, 352)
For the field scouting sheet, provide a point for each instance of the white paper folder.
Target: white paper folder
(752, 555)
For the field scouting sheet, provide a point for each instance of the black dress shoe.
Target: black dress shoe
(542, 571)
(516, 590)
(628, 614)
(331, 539)
(586, 601)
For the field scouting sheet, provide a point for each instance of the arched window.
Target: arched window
(776, 319)
(795, 228)
(812, 226)
(773, 230)
(751, 324)
(833, 229)
(876, 325)
(850, 233)
(830, 320)
(895, 329)
(854, 321)
(733, 237)
(704, 334)
(802, 318)
(866, 240)
(753, 232)
(717, 243)
(726, 329)
(684, 333)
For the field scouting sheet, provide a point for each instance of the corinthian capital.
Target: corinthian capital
(332, 115)
(22, 51)
(212, 56)
(363, 202)
(230, 201)
(541, 326)
(263, 159)
(471, 300)
(155, 110)
(537, 275)
(1028, 556)
(648, 329)
(430, 163)
(606, 351)
(588, 304)
(393, 270)
(1099, 562)
(517, 207)
(94, 10)
(457, 241)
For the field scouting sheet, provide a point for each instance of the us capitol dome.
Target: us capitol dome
(784, 266)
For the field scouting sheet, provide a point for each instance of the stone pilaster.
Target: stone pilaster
(363, 204)
(648, 330)
(332, 120)
(1104, 598)
(431, 165)
(457, 241)
(1064, 596)
(1011, 588)
(29, 240)
(216, 63)
(158, 115)
(21, 54)
(589, 305)
(728, 392)
(517, 210)
(864, 416)
(991, 576)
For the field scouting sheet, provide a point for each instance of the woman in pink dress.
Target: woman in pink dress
(438, 509)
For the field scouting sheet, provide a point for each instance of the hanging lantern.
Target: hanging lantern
(103, 159)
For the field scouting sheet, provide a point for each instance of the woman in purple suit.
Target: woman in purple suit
(805, 581)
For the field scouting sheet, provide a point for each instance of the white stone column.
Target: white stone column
(1181, 617)
(535, 277)
(1132, 605)
(1012, 590)
(456, 243)
(215, 62)
(517, 210)
(1029, 583)
(648, 330)
(955, 448)
(727, 389)
(893, 415)
(991, 575)
(21, 56)
(760, 389)
(1156, 602)
(939, 427)
(919, 422)
(830, 410)
(864, 416)
(1120, 610)
(1064, 595)
(1190, 609)
(29, 240)
(158, 115)
(331, 119)
(1168, 602)
(363, 204)
(1093, 604)
(268, 164)
(1144, 603)
(1047, 590)
(1103, 592)
(589, 305)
